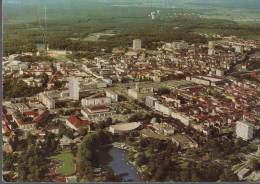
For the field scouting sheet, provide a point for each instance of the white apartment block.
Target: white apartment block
(112, 95)
(183, 118)
(244, 130)
(150, 101)
(162, 109)
(95, 101)
(137, 44)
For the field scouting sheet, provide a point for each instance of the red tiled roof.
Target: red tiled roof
(77, 122)
(41, 117)
(5, 119)
(20, 122)
(29, 113)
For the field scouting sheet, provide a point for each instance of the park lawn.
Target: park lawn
(60, 57)
(67, 166)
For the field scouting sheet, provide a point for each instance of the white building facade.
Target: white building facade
(137, 44)
(74, 88)
(244, 130)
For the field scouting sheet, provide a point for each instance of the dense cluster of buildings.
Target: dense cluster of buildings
(203, 107)
(201, 92)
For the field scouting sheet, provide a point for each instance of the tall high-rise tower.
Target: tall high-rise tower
(211, 48)
(137, 44)
(74, 88)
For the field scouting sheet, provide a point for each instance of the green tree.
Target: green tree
(32, 166)
(228, 175)
(185, 173)
(252, 163)
(141, 159)
(83, 131)
(163, 91)
(51, 143)
(45, 80)
(159, 174)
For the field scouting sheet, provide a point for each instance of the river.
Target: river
(118, 162)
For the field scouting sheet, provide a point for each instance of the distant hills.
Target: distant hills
(26, 10)
(249, 4)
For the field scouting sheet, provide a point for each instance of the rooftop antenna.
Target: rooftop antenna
(45, 28)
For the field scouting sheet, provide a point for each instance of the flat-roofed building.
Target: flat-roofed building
(162, 109)
(211, 47)
(199, 80)
(47, 100)
(186, 120)
(238, 48)
(244, 130)
(111, 94)
(95, 101)
(137, 44)
(97, 113)
(74, 88)
(139, 93)
(124, 127)
(219, 72)
(150, 101)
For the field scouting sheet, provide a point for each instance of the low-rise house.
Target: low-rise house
(18, 119)
(42, 117)
(76, 123)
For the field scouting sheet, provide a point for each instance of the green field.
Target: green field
(67, 160)
(61, 57)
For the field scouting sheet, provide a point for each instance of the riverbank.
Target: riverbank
(121, 145)
(116, 157)
(128, 148)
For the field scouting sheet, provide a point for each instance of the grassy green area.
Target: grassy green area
(68, 163)
(61, 57)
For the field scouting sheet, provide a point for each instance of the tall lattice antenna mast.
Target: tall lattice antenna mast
(45, 27)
